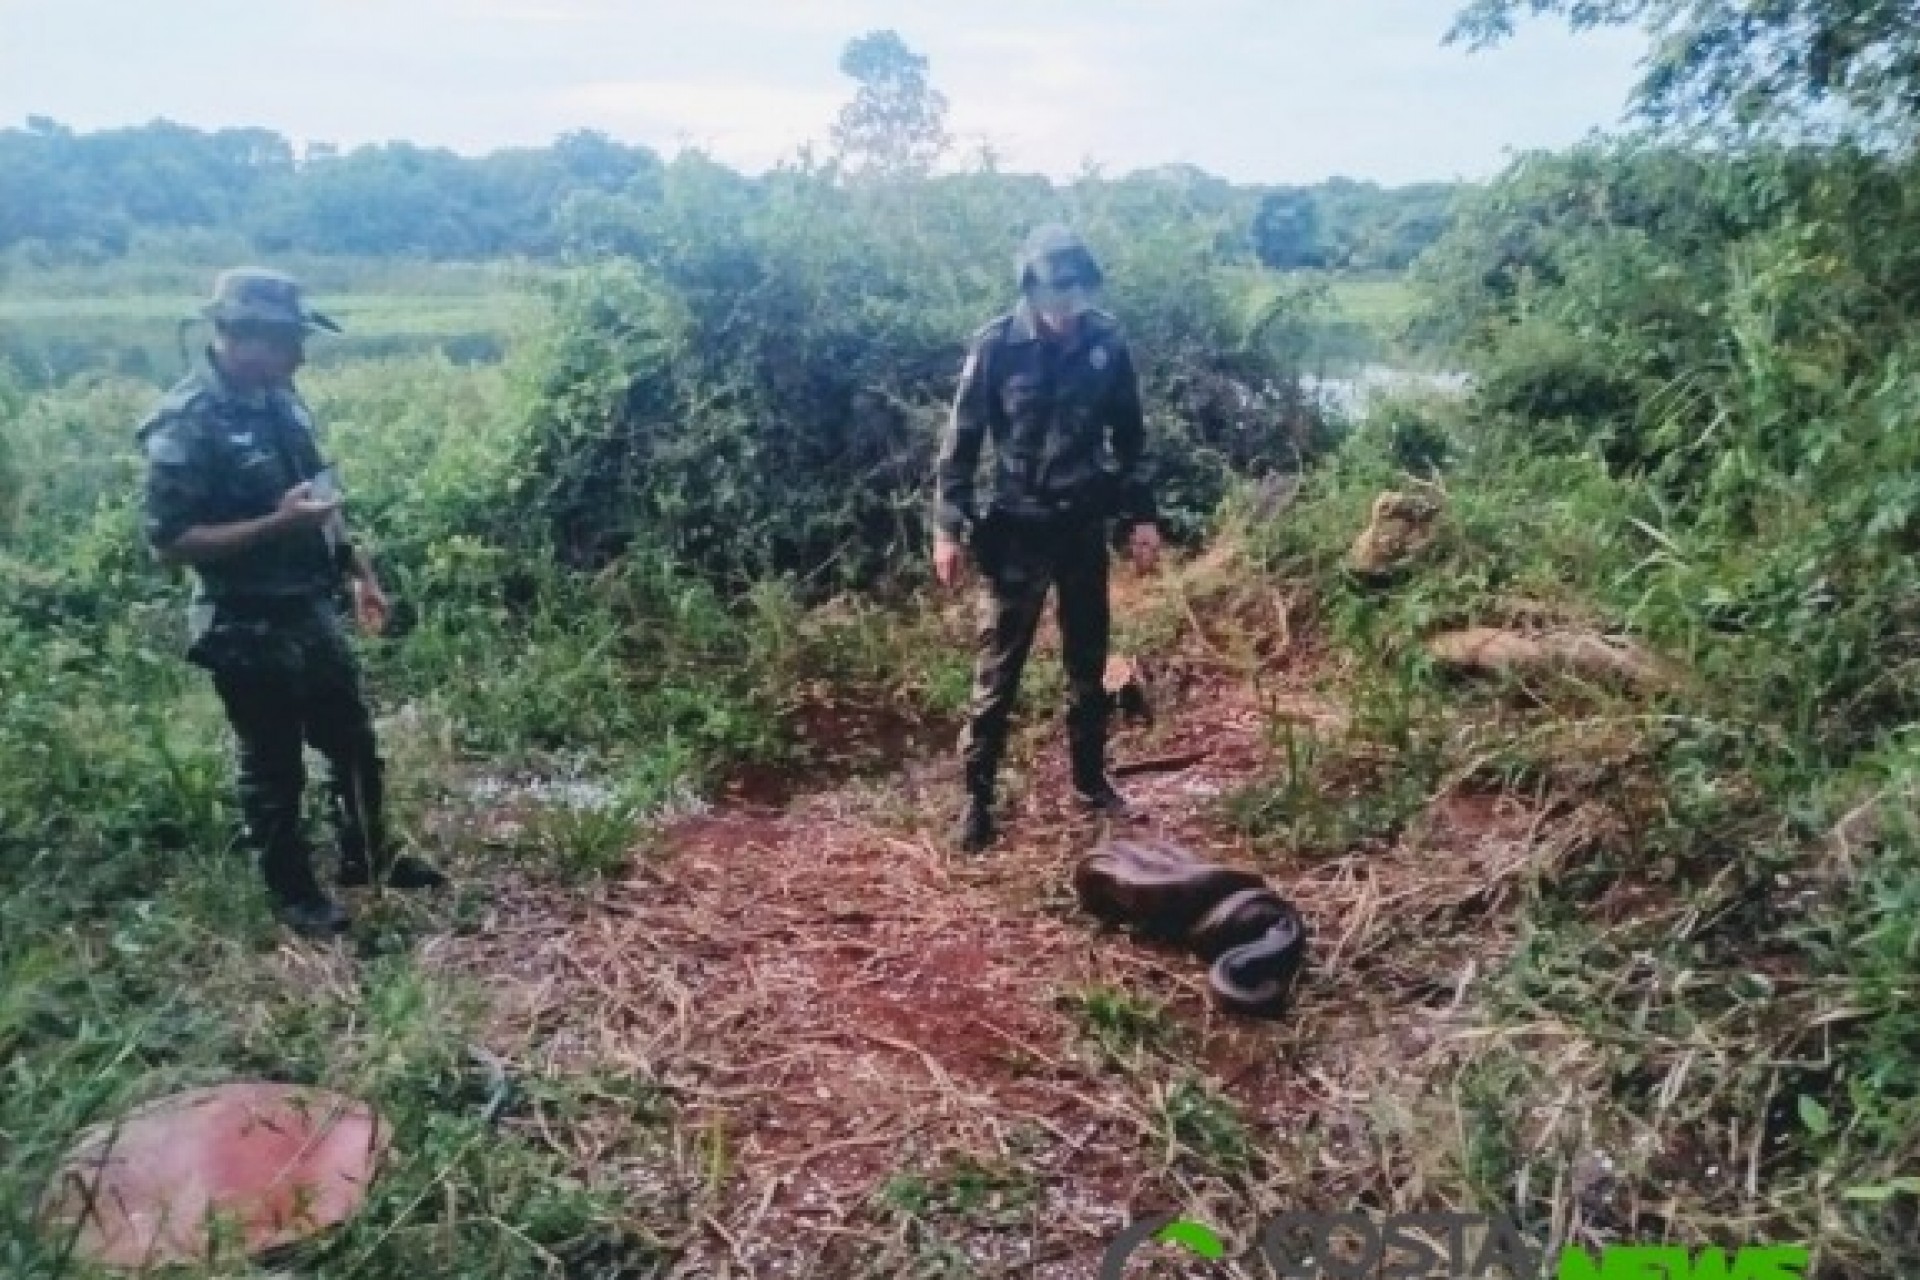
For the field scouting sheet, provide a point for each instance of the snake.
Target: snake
(1253, 940)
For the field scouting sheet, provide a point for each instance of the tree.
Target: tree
(896, 124)
(593, 225)
(1286, 230)
(12, 485)
(1751, 65)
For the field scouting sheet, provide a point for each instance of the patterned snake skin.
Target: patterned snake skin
(1253, 939)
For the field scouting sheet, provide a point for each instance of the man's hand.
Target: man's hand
(371, 608)
(949, 562)
(1144, 544)
(299, 510)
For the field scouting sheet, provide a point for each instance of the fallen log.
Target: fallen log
(1584, 654)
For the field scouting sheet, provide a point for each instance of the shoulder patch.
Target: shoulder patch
(165, 448)
(993, 330)
(987, 335)
(180, 405)
(186, 397)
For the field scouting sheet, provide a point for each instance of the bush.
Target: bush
(1691, 422)
(763, 392)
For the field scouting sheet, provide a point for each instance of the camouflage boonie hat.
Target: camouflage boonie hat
(255, 295)
(1054, 253)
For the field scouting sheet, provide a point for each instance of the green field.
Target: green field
(88, 320)
(1383, 305)
(49, 339)
(374, 315)
(60, 324)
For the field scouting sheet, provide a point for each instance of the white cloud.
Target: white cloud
(1247, 88)
(746, 123)
(537, 12)
(543, 14)
(1042, 98)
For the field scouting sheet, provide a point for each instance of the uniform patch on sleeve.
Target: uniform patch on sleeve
(164, 449)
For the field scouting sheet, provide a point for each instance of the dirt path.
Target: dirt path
(889, 1061)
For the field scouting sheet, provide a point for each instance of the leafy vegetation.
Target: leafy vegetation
(693, 487)
(607, 550)
(1780, 67)
(1689, 423)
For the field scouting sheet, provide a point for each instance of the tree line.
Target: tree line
(68, 196)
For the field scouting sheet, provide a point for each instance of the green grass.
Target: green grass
(373, 314)
(58, 324)
(1355, 321)
(1383, 305)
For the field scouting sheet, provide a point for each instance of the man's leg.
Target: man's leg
(1085, 626)
(1010, 605)
(340, 727)
(264, 713)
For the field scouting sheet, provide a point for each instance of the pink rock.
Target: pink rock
(271, 1163)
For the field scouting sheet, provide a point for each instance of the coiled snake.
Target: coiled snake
(1253, 940)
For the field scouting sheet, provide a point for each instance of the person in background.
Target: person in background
(1052, 383)
(236, 488)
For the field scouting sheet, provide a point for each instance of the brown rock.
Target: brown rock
(1402, 525)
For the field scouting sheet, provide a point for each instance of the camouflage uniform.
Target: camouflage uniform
(1068, 435)
(266, 621)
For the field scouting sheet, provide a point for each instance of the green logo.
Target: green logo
(1196, 1238)
(1662, 1262)
(1300, 1245)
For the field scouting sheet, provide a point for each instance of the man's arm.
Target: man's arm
(1126, 421)
(202, 543)
(205, 543)
(954, 508)
(177, 501)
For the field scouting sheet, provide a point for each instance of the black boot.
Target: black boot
(360, 816)
(975, 831)
(403, 872)
(1093, 790)
(1098, 797)
(296, 897)
(317, 916)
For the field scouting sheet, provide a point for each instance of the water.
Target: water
(1352, 395)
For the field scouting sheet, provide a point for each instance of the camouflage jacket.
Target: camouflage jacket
(217, 455)
(1066, 423)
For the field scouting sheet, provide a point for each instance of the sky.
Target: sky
(1259, 91)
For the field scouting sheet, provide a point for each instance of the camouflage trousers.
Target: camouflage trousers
(1019, 561)
(288, 679)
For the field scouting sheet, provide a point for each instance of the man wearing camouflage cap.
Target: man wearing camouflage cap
(236, 488)
(1053, 384)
